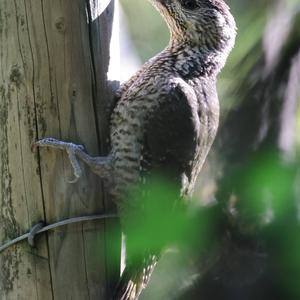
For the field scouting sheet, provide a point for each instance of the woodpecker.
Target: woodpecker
(165, 118)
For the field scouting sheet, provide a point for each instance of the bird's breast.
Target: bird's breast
(128, 122)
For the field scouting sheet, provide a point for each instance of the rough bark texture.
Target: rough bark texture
(53, 64)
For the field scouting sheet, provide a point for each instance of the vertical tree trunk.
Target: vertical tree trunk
(53, 61)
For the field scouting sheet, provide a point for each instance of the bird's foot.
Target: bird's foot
(71, 149)
(102, 166)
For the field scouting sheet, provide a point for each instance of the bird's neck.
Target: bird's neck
(194, 61)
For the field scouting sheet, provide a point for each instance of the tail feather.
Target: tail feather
(134, 280)
(130, 286)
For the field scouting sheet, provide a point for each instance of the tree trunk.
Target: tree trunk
(54, 58)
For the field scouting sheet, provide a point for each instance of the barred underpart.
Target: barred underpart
(166, 116)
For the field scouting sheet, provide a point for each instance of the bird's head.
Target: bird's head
(207, 23)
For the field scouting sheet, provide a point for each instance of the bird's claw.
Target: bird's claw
(51, 142)
(77, 171)
(71, 150)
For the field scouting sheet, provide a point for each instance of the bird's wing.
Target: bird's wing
(172, 134)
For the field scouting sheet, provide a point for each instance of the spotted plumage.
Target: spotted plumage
(167, 114)
(165, 120)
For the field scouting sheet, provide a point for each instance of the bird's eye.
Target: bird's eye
(189, 4)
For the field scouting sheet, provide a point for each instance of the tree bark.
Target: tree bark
(53, 62)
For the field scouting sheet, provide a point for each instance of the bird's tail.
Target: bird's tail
(134, 279)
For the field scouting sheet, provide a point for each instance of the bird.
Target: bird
(164, 121)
